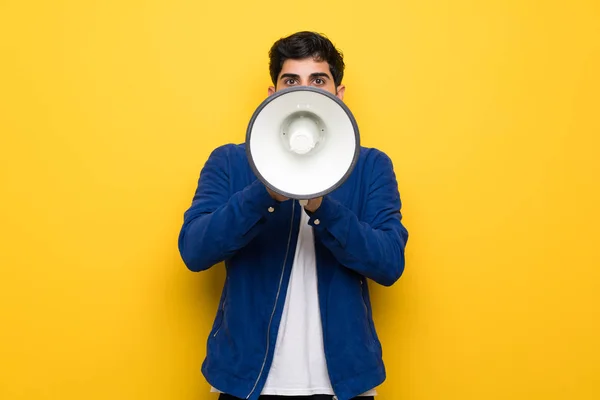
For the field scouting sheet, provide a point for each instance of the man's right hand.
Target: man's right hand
(276, 196)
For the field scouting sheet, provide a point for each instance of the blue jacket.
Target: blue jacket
(358, 235)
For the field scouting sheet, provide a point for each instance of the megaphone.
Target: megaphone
(302, 142)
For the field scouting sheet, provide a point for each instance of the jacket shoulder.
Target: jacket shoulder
(229, 150)
(228, 155)
(372, 155)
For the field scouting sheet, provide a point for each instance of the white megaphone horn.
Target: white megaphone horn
(302, 142)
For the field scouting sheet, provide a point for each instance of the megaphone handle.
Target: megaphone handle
(303, 202)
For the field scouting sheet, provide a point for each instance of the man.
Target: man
(294, 320)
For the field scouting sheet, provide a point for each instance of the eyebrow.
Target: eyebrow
(313, 75)
(294, 76)
(320, 75)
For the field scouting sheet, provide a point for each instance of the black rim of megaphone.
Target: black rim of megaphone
(299, 89)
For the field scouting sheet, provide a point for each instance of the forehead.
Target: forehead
(304, 67)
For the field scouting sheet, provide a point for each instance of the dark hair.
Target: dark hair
(302, 45)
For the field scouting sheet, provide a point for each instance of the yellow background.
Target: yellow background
(490, 111)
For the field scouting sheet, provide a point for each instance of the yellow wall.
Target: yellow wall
(489, 109)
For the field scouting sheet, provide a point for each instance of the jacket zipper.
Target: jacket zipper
(362, 297)
(276, 300)
(220, 325)
(222, 311)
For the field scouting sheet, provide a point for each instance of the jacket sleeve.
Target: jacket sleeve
(218, 223)
(373, 246)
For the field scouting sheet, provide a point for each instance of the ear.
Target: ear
(271, 90)
(340, 92)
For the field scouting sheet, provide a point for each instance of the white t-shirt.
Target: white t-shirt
(299, 367)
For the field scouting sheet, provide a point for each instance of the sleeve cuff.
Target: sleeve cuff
(330, 216)
(258, 199)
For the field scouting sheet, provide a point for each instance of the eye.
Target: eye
(290, 81)
(319, 81)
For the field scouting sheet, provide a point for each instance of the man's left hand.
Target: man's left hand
(313, 204)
